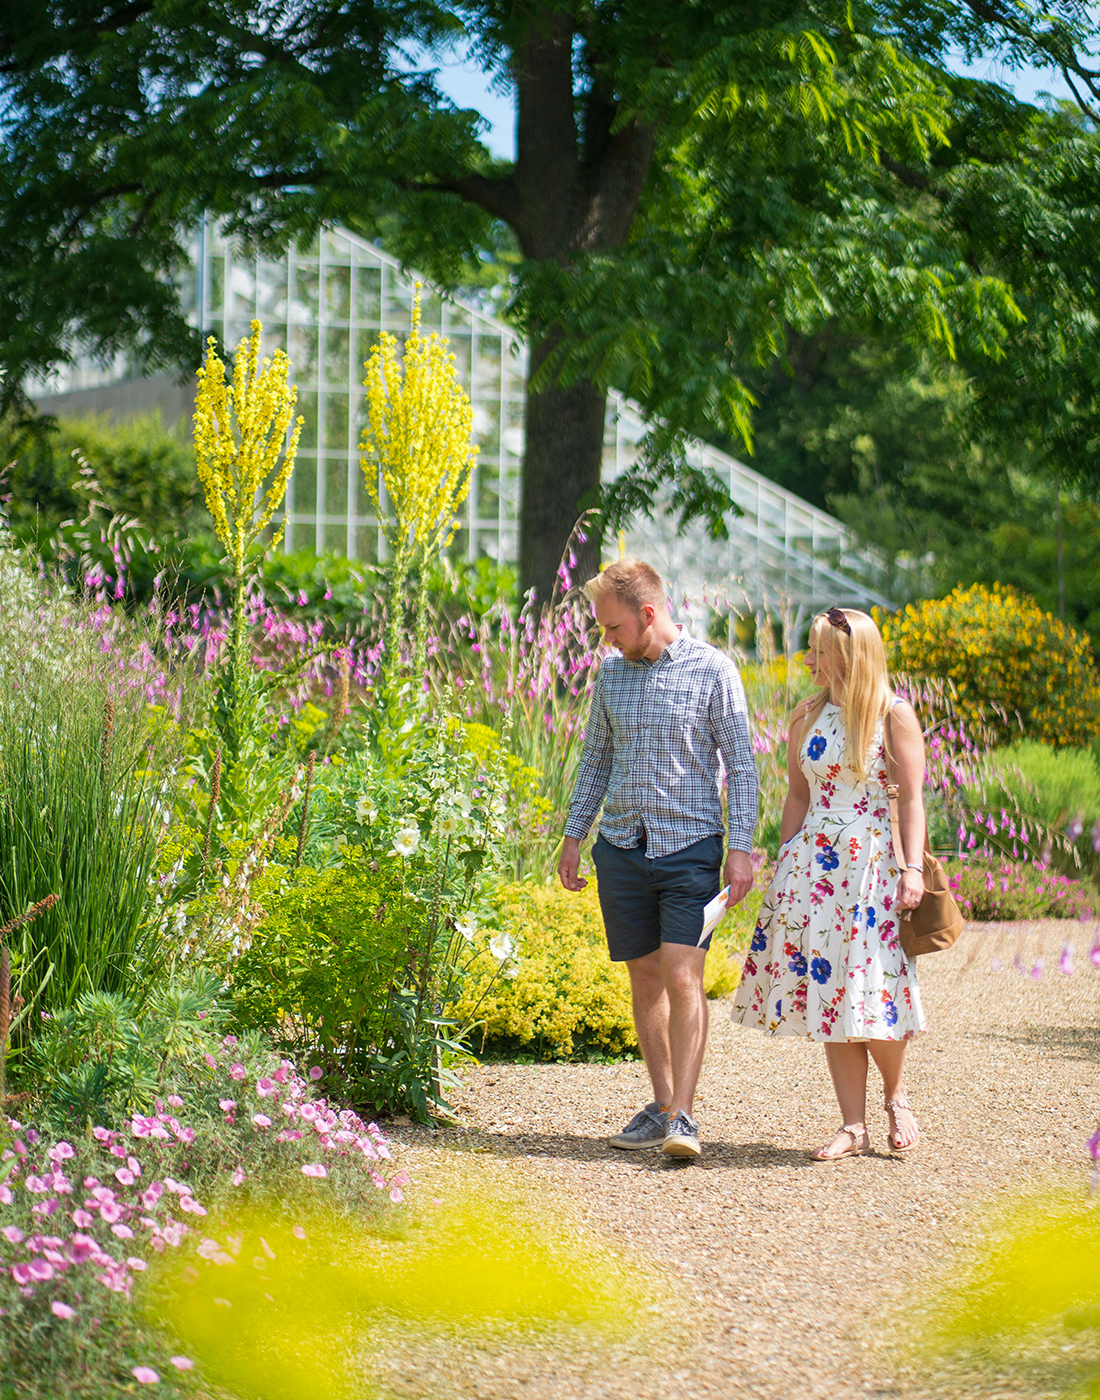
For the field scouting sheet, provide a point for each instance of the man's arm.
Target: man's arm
(729, 718)
(588, 794)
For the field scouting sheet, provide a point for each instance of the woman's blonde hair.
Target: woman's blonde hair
(863, 682)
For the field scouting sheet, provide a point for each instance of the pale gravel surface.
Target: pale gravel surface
(777, 1277)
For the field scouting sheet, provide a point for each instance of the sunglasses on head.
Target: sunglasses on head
(835, 618)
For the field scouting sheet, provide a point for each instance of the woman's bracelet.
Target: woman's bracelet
(912, 865)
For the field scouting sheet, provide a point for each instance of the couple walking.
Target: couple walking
(825, 961)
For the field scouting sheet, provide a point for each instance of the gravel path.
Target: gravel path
(778, 1277)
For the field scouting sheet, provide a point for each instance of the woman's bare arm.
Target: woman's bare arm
(907, 750)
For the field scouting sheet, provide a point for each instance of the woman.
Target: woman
(825, 960)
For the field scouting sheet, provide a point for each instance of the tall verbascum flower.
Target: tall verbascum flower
(416, 448)
(240, 435)
(417, 440)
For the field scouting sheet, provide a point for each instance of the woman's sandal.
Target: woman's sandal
(860, 1144)
(892, 1107)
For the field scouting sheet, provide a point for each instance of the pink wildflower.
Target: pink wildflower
(146, 1375)
(314, 1169)
(62, 1310)
(237, 1071)
(261, 1120)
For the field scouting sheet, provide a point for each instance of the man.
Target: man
(663, 711)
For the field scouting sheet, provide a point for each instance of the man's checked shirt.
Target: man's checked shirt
(651, 751)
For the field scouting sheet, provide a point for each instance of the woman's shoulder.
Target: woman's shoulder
(901, 711)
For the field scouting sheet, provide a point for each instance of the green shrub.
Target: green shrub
(332, 967)
(1013, 666)
(989, 891)
(566, 999)
(142, 468)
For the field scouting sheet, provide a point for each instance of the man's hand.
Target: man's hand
(570, 863)
(738, 875)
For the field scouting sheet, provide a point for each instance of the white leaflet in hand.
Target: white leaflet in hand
(714, 912)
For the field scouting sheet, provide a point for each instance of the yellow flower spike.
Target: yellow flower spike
(416, 442)
(240, 435)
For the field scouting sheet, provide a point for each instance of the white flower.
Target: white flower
(448, 825)
(512, 970)
(339, 842)
(365, 810)
(462, 802)
(501, 946)
(406, 840)
(467, 927)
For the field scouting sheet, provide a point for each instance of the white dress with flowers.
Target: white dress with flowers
(825, 960)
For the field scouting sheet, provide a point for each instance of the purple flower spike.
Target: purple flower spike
(1037, 970)
(1065, 962)
(1093, 1144)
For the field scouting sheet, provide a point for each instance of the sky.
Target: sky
(467, 86)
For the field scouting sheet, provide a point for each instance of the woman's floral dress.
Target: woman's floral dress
(825, 960)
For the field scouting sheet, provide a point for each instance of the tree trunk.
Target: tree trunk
(569, 194)
(561, 467)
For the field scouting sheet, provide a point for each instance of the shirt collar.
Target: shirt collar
(673, 649)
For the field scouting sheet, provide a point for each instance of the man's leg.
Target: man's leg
(650, 1003)
(681, 971)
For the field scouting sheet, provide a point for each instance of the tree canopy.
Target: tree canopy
(694, 183)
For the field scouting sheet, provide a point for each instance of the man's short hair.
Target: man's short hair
(632, 581)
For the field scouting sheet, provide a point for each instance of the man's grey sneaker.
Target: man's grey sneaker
(645, 1129)
(681, 1136)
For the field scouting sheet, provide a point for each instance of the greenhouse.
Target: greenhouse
(325, 306)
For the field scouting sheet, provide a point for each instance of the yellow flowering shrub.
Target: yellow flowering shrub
(1020, 670)
(567, 999)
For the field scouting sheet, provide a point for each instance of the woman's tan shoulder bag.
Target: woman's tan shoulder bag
(937, 921)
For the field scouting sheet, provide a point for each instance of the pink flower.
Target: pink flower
(101, 1134)
(125, 1175)
(308, 1111)
(61, 1152)
(82, 1247)
(174, 1101)
(62, 1310)
(134, 1165)
(123, 1232)
(229, 1040)
(316, 1072)
(210, 1060)
(261, 1120)
(266, 1087)
(83, 1219)
(227, 1105)
(13, 1234)
(314, 1169)
(138, 1265)
(146, 1375)
(298, 1232)
(237, 1071)
(40, 1270)
(189, 1205)
(117, 1150)
(181, 1363)
(21, 1273)
(36, 1184)
(6, 1197)
(238, 1177)
(396, 1195)
(111, 1211)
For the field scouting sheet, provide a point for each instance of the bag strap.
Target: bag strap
(892, 792)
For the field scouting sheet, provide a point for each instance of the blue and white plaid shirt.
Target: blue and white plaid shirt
(651, 750)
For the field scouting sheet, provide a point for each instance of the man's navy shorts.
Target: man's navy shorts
(649, 902)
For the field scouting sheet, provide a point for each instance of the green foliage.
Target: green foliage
(337, 966)
(109, 1055)
(990, 890)
(1012, 665)
(1058, 789)
(1026, 1305)
(86, 787)
(771, 183)
(140, 468)
(562, 998)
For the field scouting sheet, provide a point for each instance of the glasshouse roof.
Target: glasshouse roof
(325, 307)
